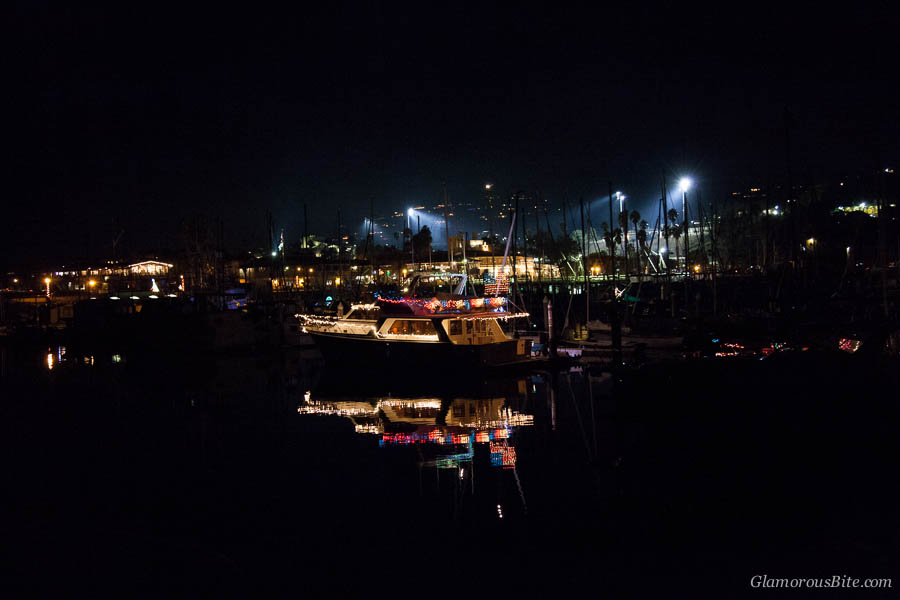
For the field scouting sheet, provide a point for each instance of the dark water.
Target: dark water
(167, 474)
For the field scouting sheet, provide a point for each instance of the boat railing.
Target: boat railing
(335, 325)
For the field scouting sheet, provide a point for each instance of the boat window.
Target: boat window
(468, 326)
(412, 327)
(455, 327)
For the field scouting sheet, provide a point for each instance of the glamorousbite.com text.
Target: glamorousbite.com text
(834, 581)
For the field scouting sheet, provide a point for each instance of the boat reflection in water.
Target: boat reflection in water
(451, 434)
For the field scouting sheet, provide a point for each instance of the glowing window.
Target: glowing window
(412, 327)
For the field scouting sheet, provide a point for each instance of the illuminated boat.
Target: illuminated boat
(443, 330)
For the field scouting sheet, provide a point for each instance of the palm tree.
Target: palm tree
(676, 233)
(641, 236)
(607, 238)
(635, 216)
(673, 215)
(623, 225)
(670, 230)
(616, 235)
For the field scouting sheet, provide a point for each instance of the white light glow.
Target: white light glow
(684, 184)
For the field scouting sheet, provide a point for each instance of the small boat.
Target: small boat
(435, 329)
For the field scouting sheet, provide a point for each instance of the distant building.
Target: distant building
(149, 267)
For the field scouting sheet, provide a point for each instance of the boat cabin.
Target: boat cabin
(459, 329)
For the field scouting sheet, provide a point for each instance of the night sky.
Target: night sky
(135, 119)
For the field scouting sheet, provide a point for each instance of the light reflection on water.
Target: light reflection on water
(461, 435)
(58, 357)
(546, 464)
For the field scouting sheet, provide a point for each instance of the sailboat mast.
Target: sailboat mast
(447, 227)
(584, 268)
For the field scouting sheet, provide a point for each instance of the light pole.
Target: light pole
(412, 248)
(623, 223)
(684, 185)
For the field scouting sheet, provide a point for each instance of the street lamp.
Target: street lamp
(47, 281)
(684, 185)
(412, 248)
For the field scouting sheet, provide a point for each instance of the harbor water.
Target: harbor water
(268, 473)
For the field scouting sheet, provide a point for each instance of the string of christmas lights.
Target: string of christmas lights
(434, 305)
(498, 316)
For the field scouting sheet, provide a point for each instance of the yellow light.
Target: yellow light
(811, 241)
(310, 269)
(47, 280)
(337, 281)
(92, 283)
(696, 268)
(404, 271)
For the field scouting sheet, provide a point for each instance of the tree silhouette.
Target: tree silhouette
(408, 248)
(635, 216)
(422, 240)
(642, 242)
(623, 226)
(673, 230)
